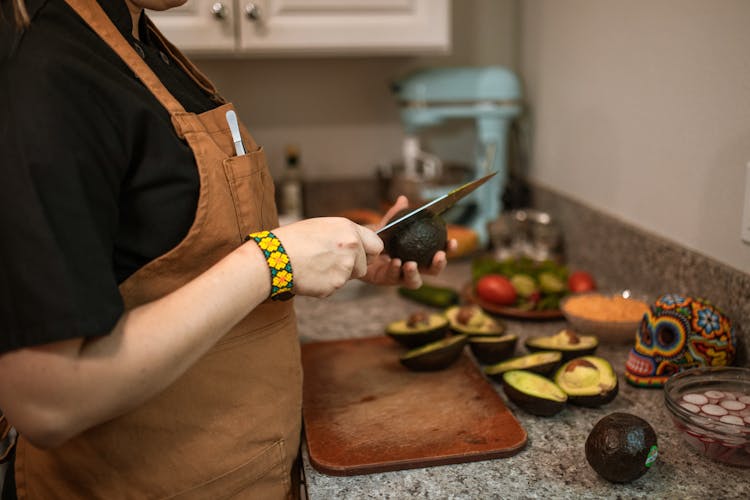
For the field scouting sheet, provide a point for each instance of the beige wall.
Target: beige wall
(639, 108)
(340, 110)
(642, 109)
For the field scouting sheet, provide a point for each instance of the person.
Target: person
(147, 347)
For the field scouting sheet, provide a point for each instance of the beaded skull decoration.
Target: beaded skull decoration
(678, 333)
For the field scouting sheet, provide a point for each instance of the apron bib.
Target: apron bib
(230, 426)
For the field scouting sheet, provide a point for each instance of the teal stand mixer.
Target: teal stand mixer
(490, 97)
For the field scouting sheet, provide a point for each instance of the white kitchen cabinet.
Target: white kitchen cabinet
(312, 27)
(199, 25)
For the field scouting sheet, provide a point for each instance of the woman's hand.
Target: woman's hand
(383, 270)
(326, 252)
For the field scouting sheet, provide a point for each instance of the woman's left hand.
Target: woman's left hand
(383, 270)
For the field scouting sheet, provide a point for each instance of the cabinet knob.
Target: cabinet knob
(218, 10)
(252, 11)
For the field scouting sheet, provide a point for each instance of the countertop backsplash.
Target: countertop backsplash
(621, 255)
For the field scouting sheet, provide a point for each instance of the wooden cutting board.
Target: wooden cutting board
(364, 412)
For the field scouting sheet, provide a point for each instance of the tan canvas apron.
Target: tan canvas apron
(230, 427)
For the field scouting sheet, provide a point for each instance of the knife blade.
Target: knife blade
(434, 207)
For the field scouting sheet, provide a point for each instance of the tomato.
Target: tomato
(497, 289)
(581, 281)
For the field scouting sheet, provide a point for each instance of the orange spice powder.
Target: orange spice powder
(605, 308)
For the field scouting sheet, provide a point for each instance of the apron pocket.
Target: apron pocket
(250, 183)
(263, 476)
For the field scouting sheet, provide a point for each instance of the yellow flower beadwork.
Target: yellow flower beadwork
(282, 278)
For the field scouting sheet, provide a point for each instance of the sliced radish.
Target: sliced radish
(744, 399)
(696, 399)
(733, 405)
(714, 410)
(714, 394)
(691, 407)
(732, 419)
(737, 442)
(746, 419)
(730, 395)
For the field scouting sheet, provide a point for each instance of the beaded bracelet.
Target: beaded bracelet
(282, 278)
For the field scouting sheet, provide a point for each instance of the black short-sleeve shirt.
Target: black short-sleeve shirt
(94, 182)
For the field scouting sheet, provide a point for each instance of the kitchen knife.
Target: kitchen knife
(434, 207)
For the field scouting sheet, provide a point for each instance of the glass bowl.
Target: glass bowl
(711, 409)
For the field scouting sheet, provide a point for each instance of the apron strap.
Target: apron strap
(186, 64)
(7, 439)
(92, 13)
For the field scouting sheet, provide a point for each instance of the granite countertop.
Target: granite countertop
(553, 464)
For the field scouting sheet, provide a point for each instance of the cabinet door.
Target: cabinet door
(199, 25)
(344, 26)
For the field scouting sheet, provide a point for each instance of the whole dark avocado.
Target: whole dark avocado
(621, 447)
(419, 239)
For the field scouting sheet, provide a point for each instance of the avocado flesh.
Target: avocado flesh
(621, 447)
(539, 362)
(568, 343)
(534, 393)
(419, 239)
(479, 323)
(588, 381)
(414, 336)
(435, 355)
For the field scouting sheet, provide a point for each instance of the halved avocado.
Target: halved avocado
(418, 329)
(473, 321)
(568, 342)
(435, 355)
(489, 350)
(588, 381)
(534, 393)
(542, 363)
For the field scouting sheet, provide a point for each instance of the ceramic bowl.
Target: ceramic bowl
(710, 407)
(608, 329)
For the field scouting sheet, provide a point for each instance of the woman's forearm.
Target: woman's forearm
(52, 392)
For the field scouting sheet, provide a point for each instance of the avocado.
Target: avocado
(435, 355)
(568, 342)
(534, 393)
(549, 283)
(435, 296)
(588, 381)
(489, 349)
(419, 239)
(621, 447)
(473, 321)
(542, 363)
(524, 285)
(418, 329)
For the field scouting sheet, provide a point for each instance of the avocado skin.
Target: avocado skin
(541, 368)
(418, 240)
(419, 336)
(618, 446)
(532, 404)
(435, 359)
(493, 352)
(536, 344)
